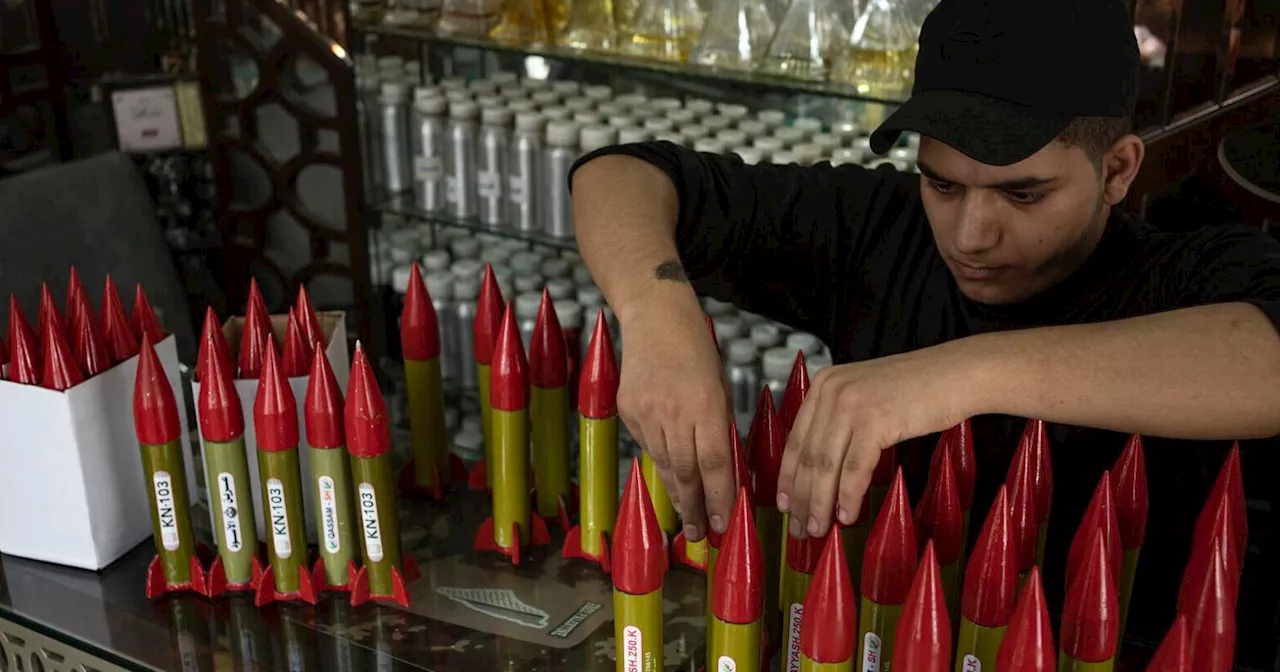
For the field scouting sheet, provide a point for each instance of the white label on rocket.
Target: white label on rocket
(726, 664)
(632, 645)
(165, 511)
(871, 652)
(369, 516)
(278, 513)
(329, 514)
(971, 663)
(793, 637)
(230, 512)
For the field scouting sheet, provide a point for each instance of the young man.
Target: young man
(1003, 280)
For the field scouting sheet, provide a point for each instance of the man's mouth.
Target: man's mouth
(977, 271)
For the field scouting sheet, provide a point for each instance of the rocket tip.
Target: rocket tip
(122, 340)
(548, 358)
(60, 368)
(1130, 493)
(365, 413)
(1090, 620)
(765, 454)
(1100, 515)
(488, 319)
(598, 377)
(741, 475)
(1022, 510)
(419, 324)
(22, 348)
(890, 559)
(309, 321)
(737, 592)
(829, 611)
(275, 411)
(638, 541)
(796, 390)
(296, 353)
(509, 371)
(90, 350)
(144, 316)
(1028, 642)
(958, 442)
(991, 573)
(221, 417)
(324, 405)
(923, 638)
(1174, 652)
(938, 515)
(155, 414)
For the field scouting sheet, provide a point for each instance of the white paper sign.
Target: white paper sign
(146, 119)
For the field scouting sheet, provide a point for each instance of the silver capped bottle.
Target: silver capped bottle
(440, 288)
(429, 149)
(393, 132)
(494, 156)
(561, 152)
(460, 171)
(742, 365)
(524, 182)
(466, 289)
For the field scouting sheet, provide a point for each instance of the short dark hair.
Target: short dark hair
(1095, 135)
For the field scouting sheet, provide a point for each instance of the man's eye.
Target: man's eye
(1024, 197)
(941, 187)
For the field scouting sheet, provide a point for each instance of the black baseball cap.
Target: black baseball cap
(1000, 79)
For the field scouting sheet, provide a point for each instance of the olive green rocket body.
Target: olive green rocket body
(379, 520)
(426, 423)
(170, 518)
(331, 479)
(280, 476)
(231, 501)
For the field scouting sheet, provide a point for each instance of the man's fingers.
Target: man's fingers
(656, 451)
(855, 481)
(716, 466)
(688, 483)
(791, 454)
(819, 495)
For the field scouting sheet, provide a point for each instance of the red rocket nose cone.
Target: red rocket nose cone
(803, 554)
(923, 639)
(155, 415)
(638, 542)
(598, 381)
(488, 317)
(1022, 510)
(1212, 584)
(938, 516)
(75, 290)
(308, 320)
(509, 372)
(991, 573)
(419, 325)
(368, 430)
(1228, 486)
(1028, 643)
(60, 368)
(1100, 515)
(766, 450)
(797, 389)
(144, 317)
(548, 358)
(296, 358)
(1090, 616)
(221, 418)
(737, 594)
(1036, 439)
(958, 441)
(91, 351)
(1130, 481)
(323, 405)
(253, 344)
(275, 411)
(122, 340)
(22, 347)
(890, 559)
(829, 612)
(1174, 653)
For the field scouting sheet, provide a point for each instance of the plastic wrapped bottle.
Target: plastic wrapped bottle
(808, 42)
(664, 30)
(736, 36)
(881, 57)
(591, 26)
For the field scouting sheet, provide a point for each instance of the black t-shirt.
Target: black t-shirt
(846, 253)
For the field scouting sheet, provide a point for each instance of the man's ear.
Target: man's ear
(1120, 166)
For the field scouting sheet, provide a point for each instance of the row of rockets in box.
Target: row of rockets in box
(768, 594)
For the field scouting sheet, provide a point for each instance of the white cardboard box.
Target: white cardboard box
(333, 324)
(71, 485)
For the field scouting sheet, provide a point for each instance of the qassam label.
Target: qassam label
(329, 514)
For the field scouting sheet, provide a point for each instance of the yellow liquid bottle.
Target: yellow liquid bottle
(881, 58)
(524, 23)
(736, 35)
(663, 30)
(807, 43)
(591, 26)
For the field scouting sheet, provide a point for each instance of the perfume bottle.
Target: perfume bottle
(524, 24)
(664, 30)
(736, 35)
(808, 41)
(881, 57)
(469, 18)
(591, 26)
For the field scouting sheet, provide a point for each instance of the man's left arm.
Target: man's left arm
(1206, 368)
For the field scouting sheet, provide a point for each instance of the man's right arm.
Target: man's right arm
(655, 221)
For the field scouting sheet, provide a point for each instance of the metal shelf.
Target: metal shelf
(402, 205)
(688, 71)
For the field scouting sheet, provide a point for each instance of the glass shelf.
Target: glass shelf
(402, 205)
(688, 71)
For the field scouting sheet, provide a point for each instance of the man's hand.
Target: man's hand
(671, 396)
(854, 411)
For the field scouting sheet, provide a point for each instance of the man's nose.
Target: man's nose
(978, 228)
